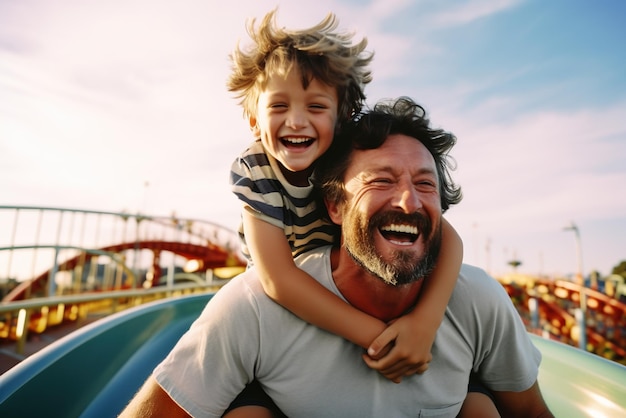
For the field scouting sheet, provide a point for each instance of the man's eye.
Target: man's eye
(381, 181)
(426, 184)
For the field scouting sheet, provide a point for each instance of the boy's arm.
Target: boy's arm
(415, 332)
(300, 293)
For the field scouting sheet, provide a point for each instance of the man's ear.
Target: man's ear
(334, 211)
(254, 127)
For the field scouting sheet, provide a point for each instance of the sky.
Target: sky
(122, 106)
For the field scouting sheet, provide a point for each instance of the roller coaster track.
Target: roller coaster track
(553, 309)
(54, 255)
(73, 238)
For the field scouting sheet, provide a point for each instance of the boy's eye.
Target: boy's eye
(317, 106)
(277, 105)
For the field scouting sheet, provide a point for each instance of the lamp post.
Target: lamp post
(579, 252)
(581, 313)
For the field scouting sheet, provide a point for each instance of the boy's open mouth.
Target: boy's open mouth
(297, 142)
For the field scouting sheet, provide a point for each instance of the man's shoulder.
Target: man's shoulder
(246, 283)
(476, 281)
(316, 263)
(313, 262)
(315, 258)
(468, 270)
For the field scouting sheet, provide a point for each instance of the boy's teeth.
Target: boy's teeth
(296, 140)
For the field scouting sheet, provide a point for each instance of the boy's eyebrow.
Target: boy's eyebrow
(281, 94)
(323, 94)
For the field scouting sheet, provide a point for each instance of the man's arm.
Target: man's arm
(152, 401)
(526, 404)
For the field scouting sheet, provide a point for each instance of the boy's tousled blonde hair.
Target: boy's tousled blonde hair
(318, 52)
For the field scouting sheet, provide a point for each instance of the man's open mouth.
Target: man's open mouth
(400, 234)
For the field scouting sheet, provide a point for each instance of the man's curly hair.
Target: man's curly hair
(370, 129)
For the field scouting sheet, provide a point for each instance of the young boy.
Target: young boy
(296, 88)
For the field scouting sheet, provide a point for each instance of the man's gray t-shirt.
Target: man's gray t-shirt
(243, 335)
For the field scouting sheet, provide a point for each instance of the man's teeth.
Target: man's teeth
(405, 229)
(400, 234)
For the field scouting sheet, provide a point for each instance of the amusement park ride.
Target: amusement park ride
(96, 369)
(560, 310)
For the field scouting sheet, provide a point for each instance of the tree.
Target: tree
(620, 269)
(515, 264)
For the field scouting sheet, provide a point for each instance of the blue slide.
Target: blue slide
(96, 370)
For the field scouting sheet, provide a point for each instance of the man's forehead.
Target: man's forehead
(399, 151)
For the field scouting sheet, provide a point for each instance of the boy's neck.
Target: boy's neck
(296, 178)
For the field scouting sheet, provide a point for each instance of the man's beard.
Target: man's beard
(405, 267)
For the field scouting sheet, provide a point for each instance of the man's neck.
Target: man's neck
(369, 293)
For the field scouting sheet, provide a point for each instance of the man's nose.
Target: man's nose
(407, 198)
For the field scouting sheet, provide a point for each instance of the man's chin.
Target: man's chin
(407, 253)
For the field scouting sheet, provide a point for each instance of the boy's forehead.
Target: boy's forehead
(281, 72)
(283, 81)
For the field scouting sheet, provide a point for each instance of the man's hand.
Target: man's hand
(403, 349)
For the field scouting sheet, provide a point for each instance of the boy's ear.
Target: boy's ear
(253, 127)
(334, 211)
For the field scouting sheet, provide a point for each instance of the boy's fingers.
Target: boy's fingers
(420, 369)
(385, 339)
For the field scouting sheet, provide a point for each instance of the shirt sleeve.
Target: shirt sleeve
(505, 358)
(255, 184)
(214, 360)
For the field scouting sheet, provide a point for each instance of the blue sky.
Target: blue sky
(99, 98)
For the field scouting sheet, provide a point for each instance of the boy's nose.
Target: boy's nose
(296, 120)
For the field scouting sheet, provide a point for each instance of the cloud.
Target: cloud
(525, 178)
(452, 14)
(96, 98)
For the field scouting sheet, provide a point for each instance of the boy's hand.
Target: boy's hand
(403, 349)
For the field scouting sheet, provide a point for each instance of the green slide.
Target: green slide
(96, 370)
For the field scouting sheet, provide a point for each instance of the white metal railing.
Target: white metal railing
(15, 317)
(35, 238)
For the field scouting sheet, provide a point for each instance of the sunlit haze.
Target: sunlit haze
(121, 105)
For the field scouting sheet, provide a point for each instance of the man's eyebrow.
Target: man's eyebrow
(428, 170)
(374, 171)
(390, 169)
(379, 168)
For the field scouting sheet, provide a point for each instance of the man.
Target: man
(386, 183)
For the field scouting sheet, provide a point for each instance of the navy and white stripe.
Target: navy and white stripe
(257, 181)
